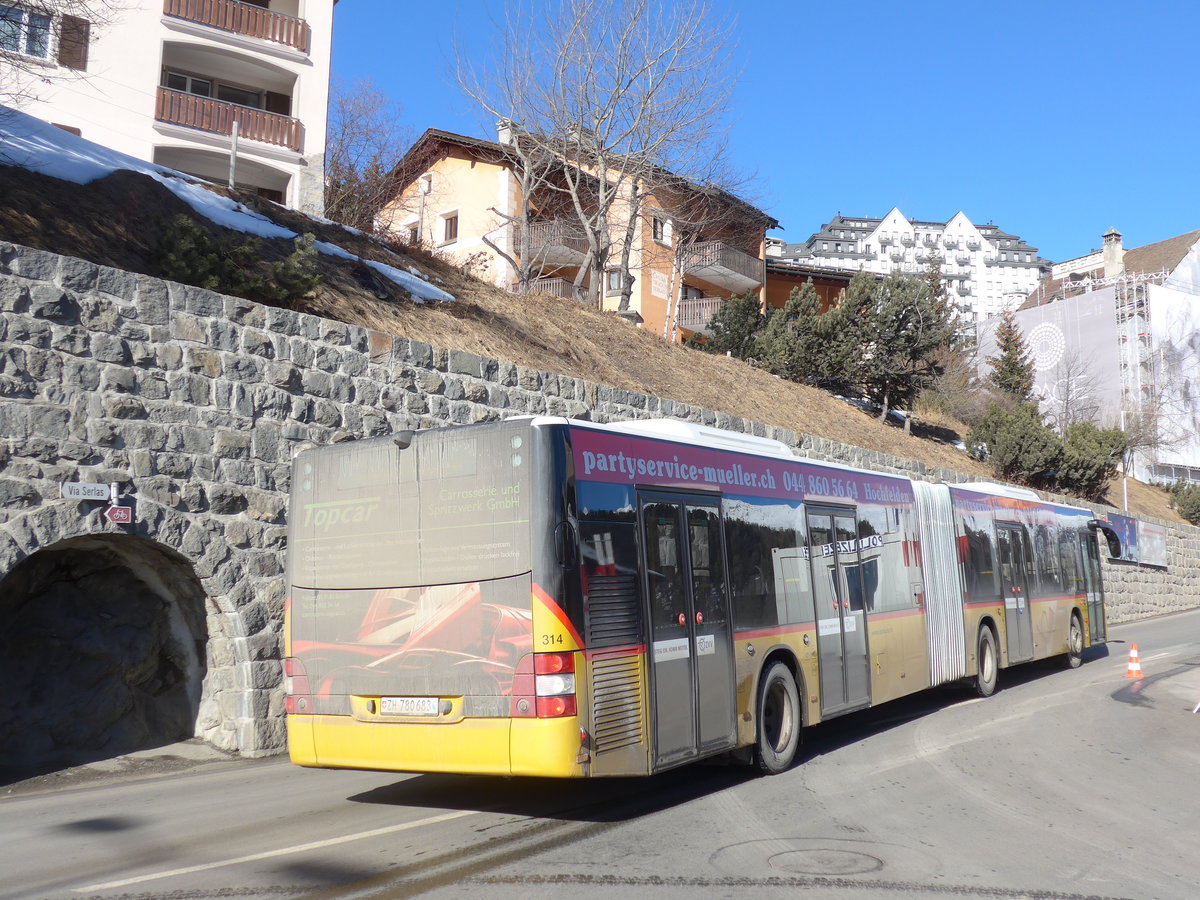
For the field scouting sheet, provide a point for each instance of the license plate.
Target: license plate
(408, 706)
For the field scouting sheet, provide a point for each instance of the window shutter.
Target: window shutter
(73, 43)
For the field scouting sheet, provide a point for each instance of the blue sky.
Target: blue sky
(1055, 120)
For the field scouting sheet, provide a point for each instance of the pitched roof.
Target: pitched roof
(1160, 256)
(1150, 259)
(427, 147)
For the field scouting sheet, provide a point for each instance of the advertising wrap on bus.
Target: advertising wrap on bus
(617, 458)
(410, 568)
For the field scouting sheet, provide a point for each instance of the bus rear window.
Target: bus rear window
(453, 506)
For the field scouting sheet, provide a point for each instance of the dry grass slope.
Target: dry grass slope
(116, 221)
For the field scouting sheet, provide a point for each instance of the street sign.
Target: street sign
(119, 515)
(75, 490)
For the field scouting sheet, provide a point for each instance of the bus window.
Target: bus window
(754, 528)
(610, 583)
(664, 565)
(1047, 562)
(708, 564)
(1068, 546)
(606, 502)
(979, 564)
(885, 582)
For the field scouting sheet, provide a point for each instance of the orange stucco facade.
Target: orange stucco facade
(456, 196)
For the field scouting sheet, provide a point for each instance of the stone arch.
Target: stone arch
(104, 651)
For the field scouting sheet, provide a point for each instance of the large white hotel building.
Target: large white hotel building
(986, 270)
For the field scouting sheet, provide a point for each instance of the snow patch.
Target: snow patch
(38, 146)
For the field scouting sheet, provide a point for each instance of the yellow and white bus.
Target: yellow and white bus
(549, 597)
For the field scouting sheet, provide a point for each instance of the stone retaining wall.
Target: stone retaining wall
(192, 402)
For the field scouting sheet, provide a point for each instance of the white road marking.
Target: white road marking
(269, 854)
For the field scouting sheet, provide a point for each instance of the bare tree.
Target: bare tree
(1070, 397)
(616, 91)
(42, 41)
(362, 147)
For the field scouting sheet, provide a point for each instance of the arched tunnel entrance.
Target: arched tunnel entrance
(102, 652)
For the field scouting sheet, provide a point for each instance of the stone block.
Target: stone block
(77, 274)
(109, 348)
(231, 444)
(14, 295)
(189, 328)
(203, 360)
(47, 301)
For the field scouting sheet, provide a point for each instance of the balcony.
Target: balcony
(972, 244)
(725, 266)
(695, 314)
(549, 287)
(897, 255)
(929, 240)
(907, 240)
(884, 240)
(555, 243)
(218, 116)
(245, 19)
(950, 242)
(963, 259)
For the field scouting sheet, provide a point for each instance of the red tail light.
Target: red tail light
(555, 707)
(295, 685)
(554, 684)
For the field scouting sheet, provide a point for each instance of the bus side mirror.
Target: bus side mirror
(1110, 536)
(566, 545)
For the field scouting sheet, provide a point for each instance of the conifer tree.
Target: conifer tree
(1012, 366)
(734, 327)
(793, 342)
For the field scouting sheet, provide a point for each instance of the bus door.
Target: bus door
(1012, 548)
(690, 640)
(841, 621)
(1097, 628)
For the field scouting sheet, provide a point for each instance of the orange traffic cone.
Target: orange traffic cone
(1134, 669)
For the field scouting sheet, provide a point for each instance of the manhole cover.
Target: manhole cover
(825, 861)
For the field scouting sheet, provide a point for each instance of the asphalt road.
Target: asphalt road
(1065, 784)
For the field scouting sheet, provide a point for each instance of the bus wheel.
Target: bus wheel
(1074, 655)
(778, 720)
(988, 664)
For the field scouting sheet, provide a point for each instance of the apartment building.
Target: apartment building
(987, 270)
(227, 90)
(460, 196)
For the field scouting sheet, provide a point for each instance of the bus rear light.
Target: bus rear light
(555, 707)
(554, 684)
(553, 663)
(295, 684)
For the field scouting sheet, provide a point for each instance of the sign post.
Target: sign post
(119, 515)
(76, 490)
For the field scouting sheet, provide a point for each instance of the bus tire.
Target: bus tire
(778, 720)
(1074, 656)
(987, 664)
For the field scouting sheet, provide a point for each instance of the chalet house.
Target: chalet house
(461, 197)
(173, 82)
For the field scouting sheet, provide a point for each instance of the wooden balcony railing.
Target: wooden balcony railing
(544, 237)
(719, 255)
(695, 314)
(554, 287)
(217, 116)
(243, 18)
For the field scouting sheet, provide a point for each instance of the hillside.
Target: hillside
(117, 220)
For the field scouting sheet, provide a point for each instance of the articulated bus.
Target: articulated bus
(547, 597)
